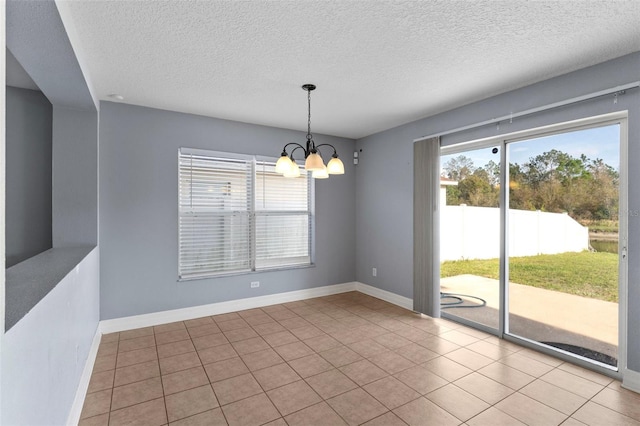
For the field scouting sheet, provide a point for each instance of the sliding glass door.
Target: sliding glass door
(470, 236)
(563, 241)
(529, 237)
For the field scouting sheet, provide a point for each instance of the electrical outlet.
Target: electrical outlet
(255, 284)
(374, 272)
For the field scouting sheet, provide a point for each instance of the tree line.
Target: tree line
(553, 182)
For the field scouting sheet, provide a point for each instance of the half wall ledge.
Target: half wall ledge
(30, 281)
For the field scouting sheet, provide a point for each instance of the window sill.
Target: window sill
(28, 282)
(233, 274)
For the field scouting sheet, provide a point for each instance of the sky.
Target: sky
(599, 142)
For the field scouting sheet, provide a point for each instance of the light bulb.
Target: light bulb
(293, 172)
(320, 174)
(335, 166)
(314, 162)
(283, 164)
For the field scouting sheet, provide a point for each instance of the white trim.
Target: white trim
(613, 90)
(631, 380)
(623, 244)
(81, 392)
(248, 171)
(536, 132)
(164, 317)
(387, 296)
(215, 154)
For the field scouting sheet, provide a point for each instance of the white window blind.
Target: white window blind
(282, 218)
(237, 215)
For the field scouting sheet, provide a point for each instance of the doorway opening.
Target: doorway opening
(531, 233)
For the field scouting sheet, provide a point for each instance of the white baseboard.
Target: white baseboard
(158, 318)
(76, 409)
(164, 317)
(387, 296)
(631, 380)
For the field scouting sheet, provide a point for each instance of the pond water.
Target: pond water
(606, 246)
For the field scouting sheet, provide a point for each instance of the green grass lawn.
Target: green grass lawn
(587, 274)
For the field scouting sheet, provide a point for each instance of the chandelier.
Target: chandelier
(287, 166)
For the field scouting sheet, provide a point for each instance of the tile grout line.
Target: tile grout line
(164, 396)
(113, 383)
(208, 378)
(115, 368)
(288, 364)
(574, 375)
(518, 391)
(587, 399)
(357, 309)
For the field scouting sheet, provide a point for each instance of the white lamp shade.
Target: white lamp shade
(293, 172)
(284, 164)
(320, 174)
(314, 162)
(335, 166)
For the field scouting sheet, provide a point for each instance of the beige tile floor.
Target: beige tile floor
(342, 359)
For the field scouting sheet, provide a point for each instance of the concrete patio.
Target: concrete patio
(539, 314)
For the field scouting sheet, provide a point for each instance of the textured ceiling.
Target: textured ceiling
(377, 64)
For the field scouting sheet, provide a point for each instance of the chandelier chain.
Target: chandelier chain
(309, 114)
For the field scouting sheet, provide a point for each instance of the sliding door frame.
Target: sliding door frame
(459, 149)
(502, 141)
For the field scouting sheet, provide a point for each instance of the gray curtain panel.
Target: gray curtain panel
(426, 227)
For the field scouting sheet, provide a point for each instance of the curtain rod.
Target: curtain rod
(617, 89)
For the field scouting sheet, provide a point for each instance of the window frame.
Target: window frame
(254, 161)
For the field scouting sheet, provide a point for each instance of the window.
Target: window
(236, 214)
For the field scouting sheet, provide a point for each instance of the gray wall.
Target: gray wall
(44, 354)
(75, 177)
(384, 200)
(138, 211)
(28, 174)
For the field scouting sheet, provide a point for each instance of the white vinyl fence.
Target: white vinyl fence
(474, 233)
